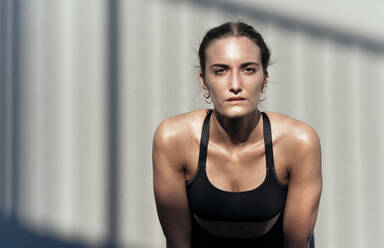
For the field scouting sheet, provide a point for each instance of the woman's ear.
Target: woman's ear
(265, 82)
(203, 82)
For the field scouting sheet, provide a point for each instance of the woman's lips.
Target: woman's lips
(235, 99)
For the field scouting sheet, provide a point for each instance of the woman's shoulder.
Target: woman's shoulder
(176, 129)
(293, 132)
(298, 148)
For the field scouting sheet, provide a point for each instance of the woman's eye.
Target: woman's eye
(219, 71)
(250, 69)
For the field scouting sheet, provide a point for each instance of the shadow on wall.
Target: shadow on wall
(314, 29)
(13, 235)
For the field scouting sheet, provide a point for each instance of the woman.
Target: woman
(234, 176)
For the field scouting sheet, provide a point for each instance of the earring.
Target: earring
(262, 97)
(207, 97)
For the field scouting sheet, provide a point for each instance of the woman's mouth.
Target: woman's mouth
(235, 99)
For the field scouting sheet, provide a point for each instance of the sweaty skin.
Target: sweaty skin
(236, 159)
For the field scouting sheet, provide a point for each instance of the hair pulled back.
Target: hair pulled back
(236, 29)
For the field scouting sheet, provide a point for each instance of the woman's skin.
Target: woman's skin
(234, 78)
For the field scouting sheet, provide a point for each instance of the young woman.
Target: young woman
(234, 176)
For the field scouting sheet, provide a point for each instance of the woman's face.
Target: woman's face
(234, 76)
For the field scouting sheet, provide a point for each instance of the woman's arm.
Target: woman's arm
(304, 187)
(169, 185)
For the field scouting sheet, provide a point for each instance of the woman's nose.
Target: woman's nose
(235, 85)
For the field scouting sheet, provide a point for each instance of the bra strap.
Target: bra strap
(268, 140)
(204, 139)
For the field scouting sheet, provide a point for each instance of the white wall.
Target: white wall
(55, 164)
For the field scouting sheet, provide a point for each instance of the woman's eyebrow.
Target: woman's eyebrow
(220, 65)
(243, 65)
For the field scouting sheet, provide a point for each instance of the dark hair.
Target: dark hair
(237, 29)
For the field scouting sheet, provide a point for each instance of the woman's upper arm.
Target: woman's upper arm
(304, 188)
(169, 186)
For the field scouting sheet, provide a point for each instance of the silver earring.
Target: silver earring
(262, 97)
(207, 97)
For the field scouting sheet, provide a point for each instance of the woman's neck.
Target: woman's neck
(237, 131)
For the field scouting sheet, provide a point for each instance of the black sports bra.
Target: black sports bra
(257, 205)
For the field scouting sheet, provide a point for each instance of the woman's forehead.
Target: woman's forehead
(232, 49)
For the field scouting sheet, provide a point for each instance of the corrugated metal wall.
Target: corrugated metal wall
(85, 83)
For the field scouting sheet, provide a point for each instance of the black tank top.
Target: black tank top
(256, 205)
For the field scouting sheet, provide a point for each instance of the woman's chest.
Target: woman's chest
(235, 170)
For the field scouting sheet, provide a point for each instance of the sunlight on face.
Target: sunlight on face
(233, 49)
(234, 70)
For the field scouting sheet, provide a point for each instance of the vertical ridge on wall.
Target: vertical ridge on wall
(370, 169)
(3, 105)
(15, 85)
(379, 214)
(341, 144)
(187, 55)
(113, 123)
(129, 80)
(281, 76)
(297, 67)
(355, 167)
(327, 235)
(156, 98)
(90, 113)
(140, 75)
(55, 123)
(159, 102)
(67, 84)
(32, 194)
(8, 67)
(63, 119)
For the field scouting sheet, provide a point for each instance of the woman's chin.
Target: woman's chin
(235, 112)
